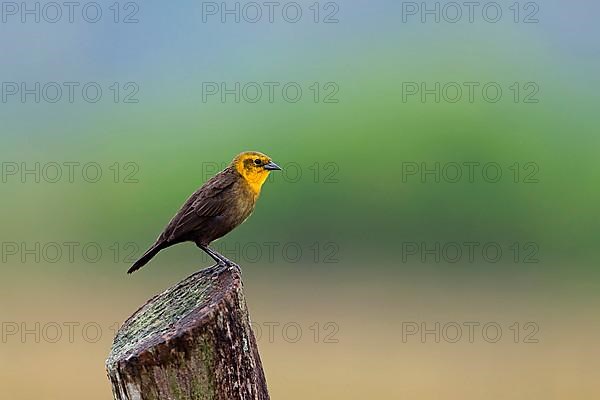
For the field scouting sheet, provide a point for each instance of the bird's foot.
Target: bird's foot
(220, 259)
(230, 264)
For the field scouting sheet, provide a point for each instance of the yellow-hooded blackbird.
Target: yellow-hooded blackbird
(221, 204)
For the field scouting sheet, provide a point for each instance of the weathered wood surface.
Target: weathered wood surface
(193, 341)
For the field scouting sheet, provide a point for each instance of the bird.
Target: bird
(220, 205)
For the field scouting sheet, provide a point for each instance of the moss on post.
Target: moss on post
(193, 341)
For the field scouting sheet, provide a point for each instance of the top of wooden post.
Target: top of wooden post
(192, 341)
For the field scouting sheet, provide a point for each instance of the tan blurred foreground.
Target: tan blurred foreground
(333, 336)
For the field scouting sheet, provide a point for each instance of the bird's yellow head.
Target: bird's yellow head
(254, 167)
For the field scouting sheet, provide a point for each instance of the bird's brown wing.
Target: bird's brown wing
(206, 203)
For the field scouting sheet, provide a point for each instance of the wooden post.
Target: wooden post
(193, 341)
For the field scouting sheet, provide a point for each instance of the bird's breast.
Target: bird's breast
(242, 204)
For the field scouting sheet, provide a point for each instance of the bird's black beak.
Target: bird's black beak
(271, 166)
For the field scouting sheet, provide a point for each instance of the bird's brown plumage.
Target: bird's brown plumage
(220, 205)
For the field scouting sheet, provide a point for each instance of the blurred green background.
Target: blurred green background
(332, 276)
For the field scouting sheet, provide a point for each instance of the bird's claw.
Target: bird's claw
(231, 265)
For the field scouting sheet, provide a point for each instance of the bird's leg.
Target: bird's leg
(213, 254)
(219, 258)
(227, 261)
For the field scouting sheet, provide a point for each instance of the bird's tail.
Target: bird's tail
(151, 252)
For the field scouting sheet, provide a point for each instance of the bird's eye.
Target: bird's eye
(257, 162)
